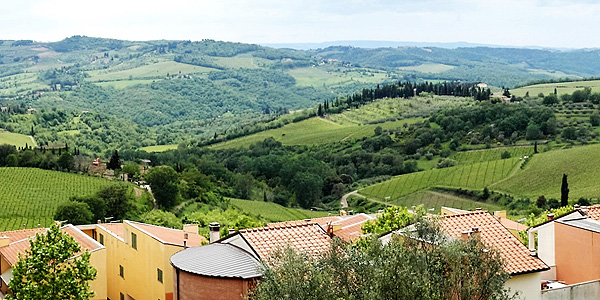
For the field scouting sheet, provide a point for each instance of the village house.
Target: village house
(524, 268)
(229, 267)
(13, 243)
(137, 257)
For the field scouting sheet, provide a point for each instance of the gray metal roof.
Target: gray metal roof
(217, 260)
(583, 223)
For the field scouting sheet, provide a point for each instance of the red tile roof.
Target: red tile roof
(510, 224)
(17, 235)
(517, 258)
(115, 228)
(169, 235)
(350, 226)
(592, 212)
(11, 252)
(303, 237)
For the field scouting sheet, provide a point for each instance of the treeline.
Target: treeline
(555, 80)
(409, 90)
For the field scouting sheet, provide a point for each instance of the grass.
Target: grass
(274, 212)
(561, 88)
(30, 196)
(315, 76)
(240, 61)
(471, 176)
(436, 200)
(155, 70)
(467, 157)
(428, 68)
(16, 139)
(158, 148)
(543, 174)
(313, 131)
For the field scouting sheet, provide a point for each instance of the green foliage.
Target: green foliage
(274, 212)
(423, 265)
(76, 213)
(161, 218)
(392, 218)
(228, 219)
(115, 161)
(534, 220)
(164, 182)
(49, 270)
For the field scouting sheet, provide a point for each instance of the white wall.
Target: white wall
(585, 290)
(528, 285)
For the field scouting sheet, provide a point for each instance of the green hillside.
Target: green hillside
(543, 174)
(274, 212)
(19, 140)
(561, 88)
(435, 200)
(30, 196)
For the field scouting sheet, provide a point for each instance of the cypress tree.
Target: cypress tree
(564, 191)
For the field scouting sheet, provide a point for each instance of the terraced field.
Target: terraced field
(435, 200)
(274, 212)
(543, 174)
(29, 197)
(561, 88)
(471, 176)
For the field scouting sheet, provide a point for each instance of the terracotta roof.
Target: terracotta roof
(510, 224)
(303, 237)
(592, 212)
(11, 252)
(17, 235)
(517, 258)
(169, 235)
(350, 225)
(116, 228)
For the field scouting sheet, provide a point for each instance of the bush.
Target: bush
(505, 155)
(76, 213)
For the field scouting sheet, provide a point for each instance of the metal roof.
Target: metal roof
(217, 260)
(583, 223)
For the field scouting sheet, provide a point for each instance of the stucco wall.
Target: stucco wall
(586, 290)
(528, 285)
(99, 285)
(577, 254)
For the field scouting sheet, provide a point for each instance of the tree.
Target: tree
(118, 200)
(65, 161)
(48, 270)
(76, 213)
(595, 119)
(378, 130)
(115, 161)
(423, 265)
(532, 132)
(550, 99)
(161, 218)
(132, 170)
(164, 182)
(390, 219)
(564, 191)
(505, 155)
(541, 202)
(535, 150)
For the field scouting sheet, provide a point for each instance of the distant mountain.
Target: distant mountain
(394, 44)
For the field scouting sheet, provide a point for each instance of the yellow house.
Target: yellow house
(14, 242)
(137, 257)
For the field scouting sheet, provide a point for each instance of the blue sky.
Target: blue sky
(550, 23)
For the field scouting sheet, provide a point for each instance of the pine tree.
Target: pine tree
(320, 110)
(115, 162)
(564, 191)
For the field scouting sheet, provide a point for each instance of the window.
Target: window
(121, 296)
(134, 240)
(121, 271)
(101, 239)
(160, 275)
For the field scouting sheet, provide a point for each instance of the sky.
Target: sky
(545, 23)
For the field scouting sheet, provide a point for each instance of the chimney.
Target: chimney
(532, 252)
(475, 232)
(465, 235)
(576, 206)
(191, 228)
(4, 241)
(550, 217)
(478, 209)
(500, 214)
(231, 230)
(214, 228)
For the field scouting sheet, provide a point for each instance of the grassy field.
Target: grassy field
(158, 148)
(561, 88)
(472, 176)
(543, 174)
(468, 157)
(30, 196)
(16, 139)
(313, 76)
(274, 212)
(313, 131)
(428, 68)
(436, 200)
(155, 70)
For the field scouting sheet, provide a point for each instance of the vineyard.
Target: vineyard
(30, 196)
(435, 200)
(468, 157)
(274, 212)
(473, 176)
